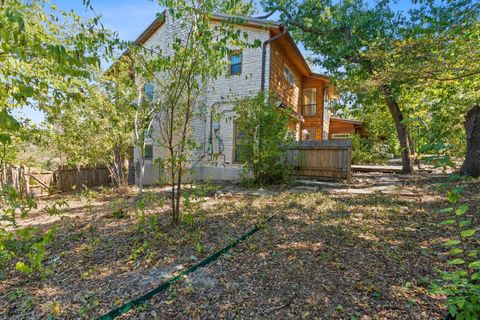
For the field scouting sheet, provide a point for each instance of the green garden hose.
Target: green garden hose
(164, 286)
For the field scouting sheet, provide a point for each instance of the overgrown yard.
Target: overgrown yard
(323, 256)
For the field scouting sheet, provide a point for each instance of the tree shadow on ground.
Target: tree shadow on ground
(311, 262)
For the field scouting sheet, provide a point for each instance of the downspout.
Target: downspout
(283, 30)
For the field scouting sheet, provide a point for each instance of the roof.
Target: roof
(352, 121)
(274, 26)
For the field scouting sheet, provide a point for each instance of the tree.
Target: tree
(45, 55)
(471, 165)
(98, 128)
(264, 138)
(180, 76)
(442, 48)
(374, 49)
(351, 40)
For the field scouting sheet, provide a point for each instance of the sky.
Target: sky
(129, 18)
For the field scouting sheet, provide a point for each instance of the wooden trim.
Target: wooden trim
(150, 30)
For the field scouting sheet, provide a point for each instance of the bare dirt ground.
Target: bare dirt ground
(325, 255)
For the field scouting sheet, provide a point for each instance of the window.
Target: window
(341, 136)
(148, 152)
(236, 63)
(149, 90)
(288, 75)
(309, 106)
(309, 134)
(239, 151)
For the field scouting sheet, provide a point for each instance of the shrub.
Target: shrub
(262, 136)
(26, 246)
(366, 151)
(460, 282)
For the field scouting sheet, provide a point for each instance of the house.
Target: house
(344, 128)
(277, 66)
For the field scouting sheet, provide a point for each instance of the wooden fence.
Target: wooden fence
(328, 158)
(63, 179)
(15, 176)
(71, 179)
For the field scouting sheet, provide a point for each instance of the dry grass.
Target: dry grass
(322, 257)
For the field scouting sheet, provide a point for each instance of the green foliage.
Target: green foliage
(194, 60)
(148, 234)
(193, 199)
(366, 151)
(147, 229)
(28, 247)
(33, 260)
(119, 208)
(265, 137)
(98, 129)
(427, 57)
(44, 51)
(460, 281)
(443, 157)
(56, 208)
(45, 56)
(13, 205)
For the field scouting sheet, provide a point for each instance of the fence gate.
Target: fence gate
(327, 158)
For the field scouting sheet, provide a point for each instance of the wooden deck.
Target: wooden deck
(377, 168)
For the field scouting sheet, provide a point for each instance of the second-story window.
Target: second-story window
(309, 106)
(288, 75)
(236, 63)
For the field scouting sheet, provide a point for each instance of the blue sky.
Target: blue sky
(129, 18)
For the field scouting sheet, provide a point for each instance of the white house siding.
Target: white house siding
(219, 94)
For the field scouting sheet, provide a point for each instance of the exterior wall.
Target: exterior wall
(338, 127)
(343, 127)
(285, 92)
(227, 88)
(218, 99)
(316, 121)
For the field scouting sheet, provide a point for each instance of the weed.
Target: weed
(119, 208)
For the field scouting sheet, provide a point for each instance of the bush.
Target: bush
(366, 151)
(25, 246)
(264, 135)
(460, 281)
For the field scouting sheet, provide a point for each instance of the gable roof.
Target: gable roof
(273, 26)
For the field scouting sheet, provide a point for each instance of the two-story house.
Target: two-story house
(277, 66)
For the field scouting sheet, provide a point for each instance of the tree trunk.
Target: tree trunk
(402, 130)
(118, 178)
(178, 195)
(471, 164)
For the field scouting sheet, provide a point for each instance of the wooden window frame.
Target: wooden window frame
(311, 104)
(236, 53)
(286, 68)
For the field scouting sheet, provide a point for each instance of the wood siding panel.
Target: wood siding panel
(316, 121)
(285, 92)
(340, 127)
